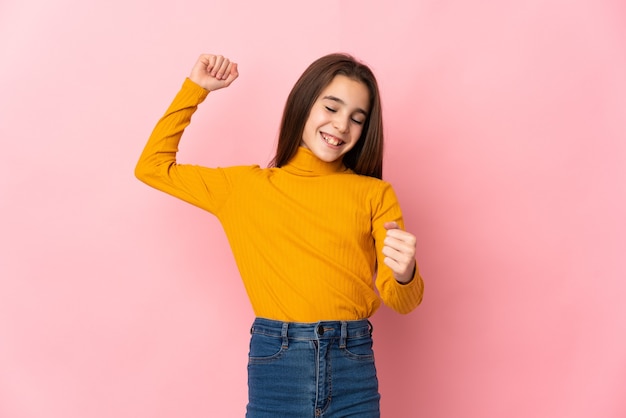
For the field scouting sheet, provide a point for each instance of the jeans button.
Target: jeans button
(320, 330)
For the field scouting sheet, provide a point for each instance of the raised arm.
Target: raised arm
(157, 165)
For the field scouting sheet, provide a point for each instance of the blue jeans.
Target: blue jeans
(323, 369)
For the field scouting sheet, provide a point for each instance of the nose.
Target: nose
(341, 124)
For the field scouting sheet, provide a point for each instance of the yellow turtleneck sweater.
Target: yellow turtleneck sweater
(305, 236)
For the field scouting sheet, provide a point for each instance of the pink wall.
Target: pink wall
(506, 124)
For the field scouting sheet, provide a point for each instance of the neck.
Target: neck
(305, 163)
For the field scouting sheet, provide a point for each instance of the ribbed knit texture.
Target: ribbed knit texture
(305, 236)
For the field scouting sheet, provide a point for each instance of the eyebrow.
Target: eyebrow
(338, 100)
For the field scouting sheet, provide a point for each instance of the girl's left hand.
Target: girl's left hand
(399, 252)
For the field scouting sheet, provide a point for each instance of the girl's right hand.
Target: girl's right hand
(213, 72)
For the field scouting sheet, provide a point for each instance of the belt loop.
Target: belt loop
(283, 334)
(371, 327)
(344, 334)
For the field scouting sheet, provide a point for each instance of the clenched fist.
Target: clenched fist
(213, 72)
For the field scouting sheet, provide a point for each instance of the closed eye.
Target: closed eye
(358, 122)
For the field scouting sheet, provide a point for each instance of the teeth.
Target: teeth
(331, 140)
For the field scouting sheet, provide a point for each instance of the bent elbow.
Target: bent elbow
(140, 172)
(144, 172)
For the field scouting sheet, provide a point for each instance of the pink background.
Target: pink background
(506, 127)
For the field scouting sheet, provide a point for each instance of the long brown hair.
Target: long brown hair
(366, 157)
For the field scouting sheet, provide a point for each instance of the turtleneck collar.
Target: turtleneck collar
(305, 163)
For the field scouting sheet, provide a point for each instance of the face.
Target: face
(336, 119)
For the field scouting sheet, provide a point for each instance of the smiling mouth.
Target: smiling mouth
(331, 140)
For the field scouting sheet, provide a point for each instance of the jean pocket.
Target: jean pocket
(359, 349)
(265, 348)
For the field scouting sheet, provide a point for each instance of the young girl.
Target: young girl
(314, 235)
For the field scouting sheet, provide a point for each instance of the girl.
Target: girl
(309, 235)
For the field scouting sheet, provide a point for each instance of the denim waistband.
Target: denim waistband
(312, 330)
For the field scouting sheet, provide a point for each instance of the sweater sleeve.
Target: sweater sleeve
(402, 298)
(157, 166)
